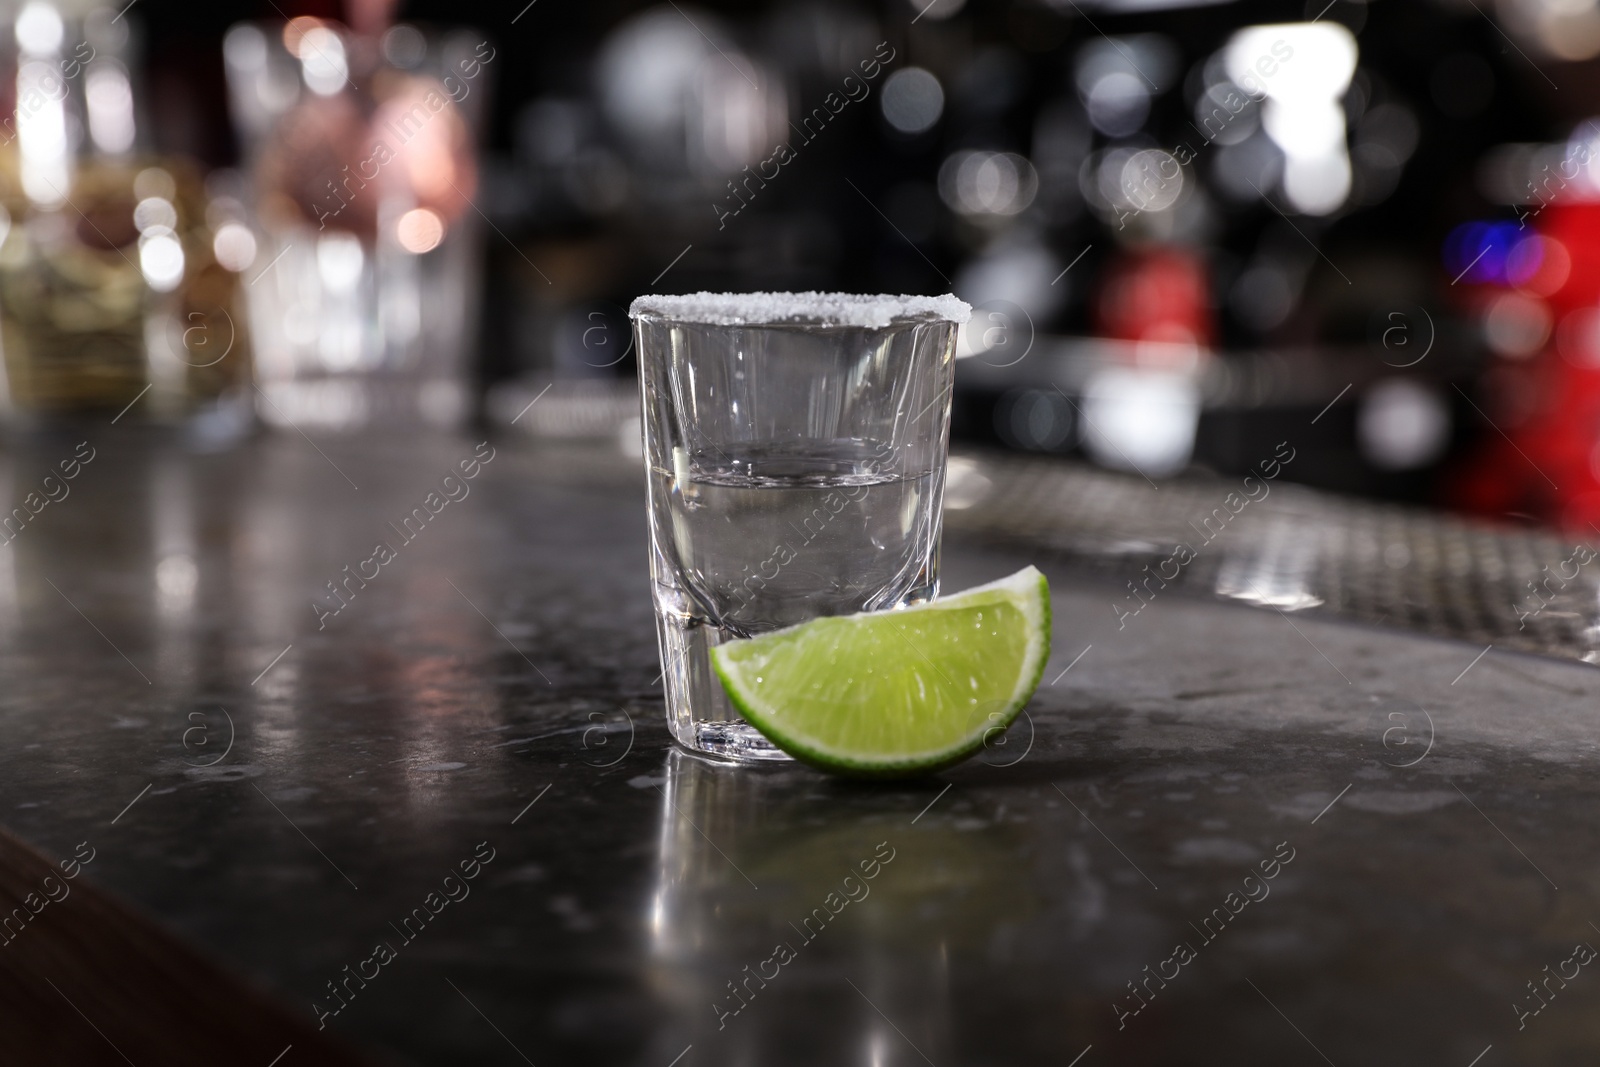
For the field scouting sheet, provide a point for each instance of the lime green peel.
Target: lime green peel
(895, 692)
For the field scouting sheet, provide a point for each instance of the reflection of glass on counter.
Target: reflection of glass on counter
(363, 159)
(757, 856)
(117, 280)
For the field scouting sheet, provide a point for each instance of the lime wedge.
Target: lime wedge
(895, 692)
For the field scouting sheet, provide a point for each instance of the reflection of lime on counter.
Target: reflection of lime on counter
(893, 692)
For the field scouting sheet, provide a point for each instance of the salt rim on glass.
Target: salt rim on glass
(863, 310)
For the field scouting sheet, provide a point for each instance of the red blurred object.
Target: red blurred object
(1157, 295)
(1543, 460)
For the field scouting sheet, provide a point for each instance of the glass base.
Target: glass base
(731, 741)
(698, 711)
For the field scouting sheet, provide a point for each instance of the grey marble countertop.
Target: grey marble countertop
(1224, 835)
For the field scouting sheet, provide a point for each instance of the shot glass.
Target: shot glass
(796, 446)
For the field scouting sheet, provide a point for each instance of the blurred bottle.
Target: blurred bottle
(118, 291)
(1141, 407)
(362, 153)
(1534, 286)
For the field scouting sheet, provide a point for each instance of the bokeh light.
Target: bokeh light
(1476, 251)
(912, 100)
(419, 230)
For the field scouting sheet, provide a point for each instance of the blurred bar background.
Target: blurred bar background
(1190, 231)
